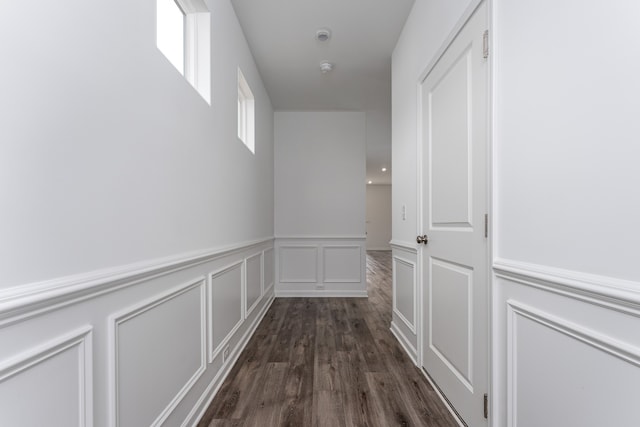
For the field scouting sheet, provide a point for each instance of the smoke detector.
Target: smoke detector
(326, 66)
(323, 34)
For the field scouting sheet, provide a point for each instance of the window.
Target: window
(183, 36)
(170, 33)
(246, 113)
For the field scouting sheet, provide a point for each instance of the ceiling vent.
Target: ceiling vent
(323, 35)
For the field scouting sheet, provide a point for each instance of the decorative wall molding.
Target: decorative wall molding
(411, 324)
(324, 238)
(516, 310)
(123, 316)
(250, 307)
(28, 300)
(206, 398)
(326, 273)
(324, 293)
(312, 274)
(617, 294)
(215, 351)
(404, 246)
(626, 352)
(268, 269)
(81, 341)
(307, 266)
(409, 349)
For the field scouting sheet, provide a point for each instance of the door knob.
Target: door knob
(422, 239)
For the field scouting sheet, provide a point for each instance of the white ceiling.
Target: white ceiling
(281, 34)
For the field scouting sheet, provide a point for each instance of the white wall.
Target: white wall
(320, 202)
(129, 211)
(378, 217)
(566, 283)
(320, 163)
(565, 200)
(108, 155)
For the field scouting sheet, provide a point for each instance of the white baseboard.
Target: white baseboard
(321, 293)
(405, 343)
(213, 388)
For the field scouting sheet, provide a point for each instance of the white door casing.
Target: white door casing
(454, 200)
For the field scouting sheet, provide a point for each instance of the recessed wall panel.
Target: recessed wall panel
(450, 308)
(254, 280)
(269, 267)
(592, 385)
(226, 305)
(404, 291)
(159, 353)
(49, 386)
(298, 264)
(449, 145)
(341, 264)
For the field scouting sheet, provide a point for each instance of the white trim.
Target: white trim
(215, 384)
(25, 301)
(131, 312)
(610, 292)
(404, 246)
(409, 324)
(301, 237)
(408, 348)
(621, 350)
(81, 338)
(618, 349)
(321, 293)
(213, 352)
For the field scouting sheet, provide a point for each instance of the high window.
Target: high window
(183, 36)
(246, 113)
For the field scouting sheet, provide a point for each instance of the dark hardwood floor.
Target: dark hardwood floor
(328, 362)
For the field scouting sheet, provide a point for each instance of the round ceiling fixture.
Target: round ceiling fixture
(326, 66)
(323, 34)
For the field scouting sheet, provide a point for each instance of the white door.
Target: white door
(454, 203)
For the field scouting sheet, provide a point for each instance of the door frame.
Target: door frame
(473, 6)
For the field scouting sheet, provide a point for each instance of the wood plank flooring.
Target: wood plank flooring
(328, 362)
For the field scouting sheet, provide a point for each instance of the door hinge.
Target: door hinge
(486, 405)
(485, 44)
(486, 225)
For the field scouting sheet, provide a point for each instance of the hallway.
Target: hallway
(328, 362)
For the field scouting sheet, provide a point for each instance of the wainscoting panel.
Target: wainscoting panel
(566, 345)
(321, 266)
(298, 264)
(130, 345)
(225, 300)
(159, 353)
(50, 385)
(254, 282)
(405, 315)
(579, 380)
(269, 269)
(341, 264)
(404, 299)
